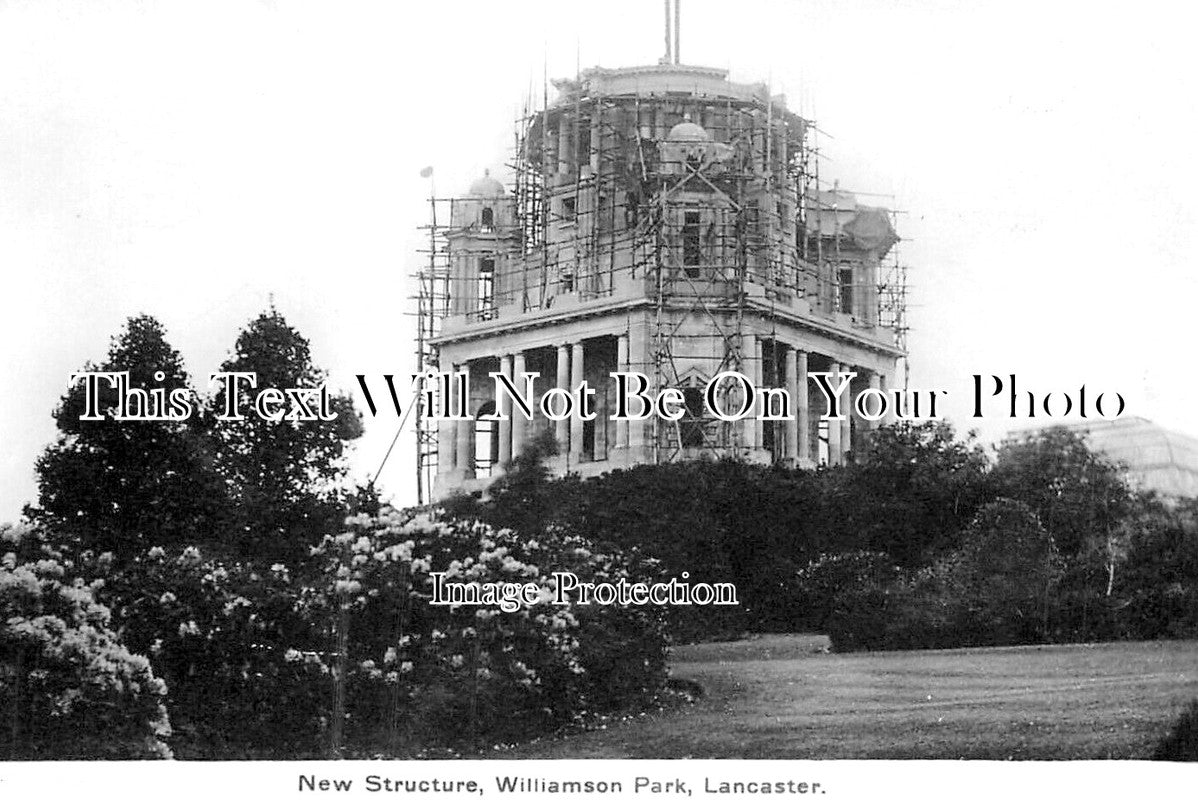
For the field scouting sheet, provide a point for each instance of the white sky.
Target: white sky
(189, 160)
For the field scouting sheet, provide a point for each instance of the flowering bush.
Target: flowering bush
(346, 652)
(217, 632)
(71, 689)
(441, 675)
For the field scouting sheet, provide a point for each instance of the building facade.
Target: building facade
(668, 221)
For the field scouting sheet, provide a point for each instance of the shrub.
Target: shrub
(1181, 743)
(995, 589)
(349, 651)
(217, 632)
(847, 596)
(719, 521)
(449, 676)
(1003, 576)
(923, 613)
(71, 687)
(1160, 578)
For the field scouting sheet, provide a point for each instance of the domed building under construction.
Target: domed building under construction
(666, 220)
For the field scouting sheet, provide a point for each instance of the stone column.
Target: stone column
(638, 349)
(465, 457)
(846, 424)
(503, 428)
(751, 368)
(596, 133)
(622, 366)
(576, 378)
(447, 436)
(891, 405)
(835, 451)
(561, 430)
(792, 391)
(802, 409)
(519, 423)
(875, 382)
(459, 268)
(758, 382)
(758, 144)
(563, 143)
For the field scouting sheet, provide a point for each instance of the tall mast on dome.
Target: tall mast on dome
(673, 50)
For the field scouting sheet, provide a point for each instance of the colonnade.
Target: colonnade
(797, 442)
(456, 438)
(796, 439)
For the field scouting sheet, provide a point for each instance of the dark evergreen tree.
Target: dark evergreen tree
(286, 478)
(121, 486)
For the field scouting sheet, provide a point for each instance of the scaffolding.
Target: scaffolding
(432, 307)
(713, 204)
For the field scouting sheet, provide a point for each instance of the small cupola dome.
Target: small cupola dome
(687, 131)
(486, 186)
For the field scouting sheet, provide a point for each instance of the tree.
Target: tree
(1003, 576)
(287, 478)
(1158, 590)
(915, 488)
(122, 485)
(526, 498)
(1084, 503)
(1078, 494)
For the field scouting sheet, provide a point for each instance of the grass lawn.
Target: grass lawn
(777, 697)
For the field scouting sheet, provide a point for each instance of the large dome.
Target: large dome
(486, 186)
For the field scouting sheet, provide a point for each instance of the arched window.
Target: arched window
(488, 219)
(845, 285)
(823, 447)
(691, 426)
(692, 254)
(486, 288)
(486, 441)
